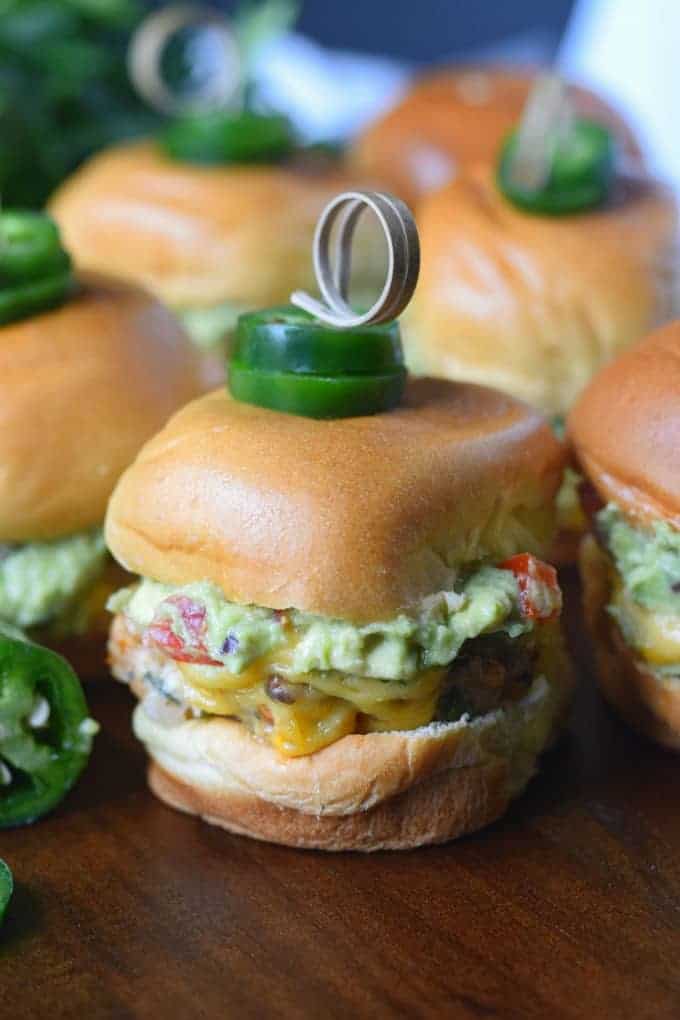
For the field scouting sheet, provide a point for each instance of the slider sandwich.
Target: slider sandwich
(342, 634)
(89, 370)
(215, 217)
(542, 267)
(532, 291)
(625, 433)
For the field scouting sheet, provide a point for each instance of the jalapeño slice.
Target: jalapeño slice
(316, 396)
(288, 339)
(223, 138)
(45, 732)
(581, 172)
(35, 271)
(22, 300)
(30, 247)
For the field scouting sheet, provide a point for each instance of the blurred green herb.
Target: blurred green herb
(64, 87)
(64, 90)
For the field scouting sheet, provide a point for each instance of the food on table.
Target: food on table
(342, 634)
(45, 731)
(625, 431)
(89, 369)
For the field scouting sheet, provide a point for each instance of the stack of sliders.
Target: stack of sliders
(89, 370)
(452, 119)
(341, 635)
(625, 432)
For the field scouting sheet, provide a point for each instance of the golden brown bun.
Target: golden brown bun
(645, 702)
(355, 518)
(625, 429)
(364, 792)
(199, 236)
(532, 304)
(452, 119)
(81, 388)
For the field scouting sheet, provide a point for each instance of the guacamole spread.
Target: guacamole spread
(486, 601)
(648, 560)
(39, 581)
(209, 327)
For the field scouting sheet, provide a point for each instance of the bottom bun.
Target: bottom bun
(441, 808)
(648, 703)
(375, 791)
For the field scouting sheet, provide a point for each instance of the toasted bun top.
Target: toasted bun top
(535, 304)
(201, 235)
(355, 518)
(81, 388)
(454, 118)
(625, 429)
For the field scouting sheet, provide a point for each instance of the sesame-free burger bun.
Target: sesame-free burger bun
(648, 703)
(199, 236)
(355, 518)
(364, 792)
(625, 429)
(534, 305)
(452, 119)
(391, 790)
(82, 387)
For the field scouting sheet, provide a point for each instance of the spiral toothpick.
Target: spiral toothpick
(333, 276)
(546, 120)
(145, 54)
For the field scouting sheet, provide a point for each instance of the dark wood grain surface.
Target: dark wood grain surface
(569, 907)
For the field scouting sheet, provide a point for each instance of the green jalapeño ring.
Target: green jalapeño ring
(208, 126)
(35, 271)
(327, 360)
(580, 173)
(223, 138)
(286, 360)
(288, 339)
(45, 732)
(315, 396)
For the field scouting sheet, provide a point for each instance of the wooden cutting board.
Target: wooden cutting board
(568, 907)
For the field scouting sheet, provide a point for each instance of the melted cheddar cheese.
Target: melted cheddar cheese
(326, 706)
(570, 515)
(301, 682)
(655, 635)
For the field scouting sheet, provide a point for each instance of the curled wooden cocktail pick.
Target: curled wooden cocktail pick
(145, 55)
(546, 120)
(403, 259)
